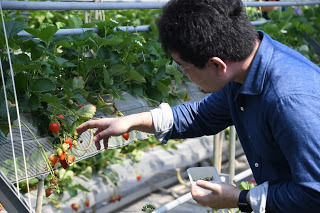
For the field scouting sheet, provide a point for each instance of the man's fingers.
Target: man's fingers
(207, 185)
(90, 125)
(105, 143)
(98, 146)
(97, 132)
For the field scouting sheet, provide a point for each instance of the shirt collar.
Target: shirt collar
(254, 81)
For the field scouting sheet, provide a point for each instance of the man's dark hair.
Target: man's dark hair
(201, 29)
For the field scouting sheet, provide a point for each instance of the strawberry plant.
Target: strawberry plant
(298, 31)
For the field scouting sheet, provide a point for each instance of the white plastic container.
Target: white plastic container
(203, 173)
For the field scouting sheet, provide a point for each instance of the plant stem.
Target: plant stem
(43, 153)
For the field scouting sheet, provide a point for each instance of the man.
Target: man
(268, 91)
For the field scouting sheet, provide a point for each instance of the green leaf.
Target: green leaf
(36, 52)
(72, 192)
(75, 21)
(154, 48)
(111, 40)
(21, 58)
(78, 83)
(134, 75)
(245, 185)
(31, 103)
(162, 88)
(106, 78)
(136, 89)
(87, 172)
(118, 69)
(108, 108)
(60, 60)
(45, 34)
(21, 82)
(87, 111)
(42, 85)
(154, 94)
(173, 100)
(3, 113)
(50, 99)
(183, 94)
(142, 145)
(82, 188)
(13, 28)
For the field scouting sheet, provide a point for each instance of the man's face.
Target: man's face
(207, 78)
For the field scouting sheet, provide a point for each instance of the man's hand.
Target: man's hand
(222, 195)
(108, 127)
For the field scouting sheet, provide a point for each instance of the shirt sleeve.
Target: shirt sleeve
(162, 120)
(258, 198)
(296, 129)
(206, 117)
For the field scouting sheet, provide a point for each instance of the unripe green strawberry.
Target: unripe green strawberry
(59, 151)
(74, 143)
(65, 147)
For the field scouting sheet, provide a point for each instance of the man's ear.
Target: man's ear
(219, 64)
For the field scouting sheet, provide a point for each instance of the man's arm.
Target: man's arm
(108, 127)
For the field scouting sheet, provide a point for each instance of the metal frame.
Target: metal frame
(9, 198)
(27, 5)
(16, 203)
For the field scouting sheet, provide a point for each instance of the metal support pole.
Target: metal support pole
(38, 5)
(217, 151)
(40, 192)
(9, 198)
(232, 155)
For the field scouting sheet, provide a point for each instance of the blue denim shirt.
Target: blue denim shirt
(276, 113)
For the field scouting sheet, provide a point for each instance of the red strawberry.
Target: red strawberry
(68, 141)
(54, 127)
(87, 203)
(70, 159)
(64, 163)
(48, 192)
(62, 156)
(138, 177)
(60, 116)
(75, 206)
(54, 181)
(119, 198)
(126, 136)
(53, 159)
(114, 198)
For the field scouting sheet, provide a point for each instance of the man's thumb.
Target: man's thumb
(205, 184)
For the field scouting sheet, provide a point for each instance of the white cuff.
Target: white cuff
(162, 120)
(258, 197)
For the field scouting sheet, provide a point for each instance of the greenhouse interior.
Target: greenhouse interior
(64, 63)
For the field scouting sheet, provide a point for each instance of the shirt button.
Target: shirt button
(242, 109)
(256, 165)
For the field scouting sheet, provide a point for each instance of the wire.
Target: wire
(18, 115)
(89, 143)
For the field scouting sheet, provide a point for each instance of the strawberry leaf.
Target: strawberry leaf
(78, 83)
(87, 111)
(75, 21)
(50, 99)
(42, 85)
